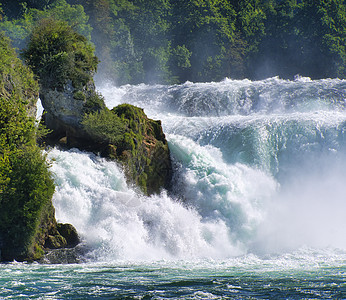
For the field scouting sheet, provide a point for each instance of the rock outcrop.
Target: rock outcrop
(124, 134)
(143, 150)
(77, 116)
(53, 235)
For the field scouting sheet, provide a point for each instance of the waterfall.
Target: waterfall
(259, 168)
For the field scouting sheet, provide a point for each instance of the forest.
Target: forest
(173, 41)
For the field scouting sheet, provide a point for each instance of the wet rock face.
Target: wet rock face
(62, 106)
(65, 255)
(65, 236)
(69, 104)
(69, 233)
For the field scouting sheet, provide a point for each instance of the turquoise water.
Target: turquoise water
(257, 211)
(291, 276)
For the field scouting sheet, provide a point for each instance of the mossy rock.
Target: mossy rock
(55, 242)
(126, 135)
(136, 141)
(69, 233)
(77, 115)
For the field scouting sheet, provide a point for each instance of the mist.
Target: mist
(308, 211)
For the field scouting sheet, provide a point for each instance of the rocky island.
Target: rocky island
(77, 114)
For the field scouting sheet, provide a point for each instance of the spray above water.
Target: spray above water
(119, 223)
(259, 168)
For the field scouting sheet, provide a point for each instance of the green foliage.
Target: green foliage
(323, 24)
(29, 187)
(79, 95)
(134, 117)
(104, 126)
(124, 126)
(56, 54)
(19, 27)
(19, 92)
(182, 57)
(26, 185)
(166, 41)
(206, 29)
(73, 15)
(128, 132)
(93, 101)
(305, 37)
(15, 8)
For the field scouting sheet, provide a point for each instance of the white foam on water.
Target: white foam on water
(118, 222)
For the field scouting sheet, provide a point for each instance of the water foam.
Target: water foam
(231, 97)
(119, 223)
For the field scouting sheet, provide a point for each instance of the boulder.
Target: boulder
(69, 233)
(53, 235)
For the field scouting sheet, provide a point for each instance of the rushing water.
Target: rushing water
(258, 208)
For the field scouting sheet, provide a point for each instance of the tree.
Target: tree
(207, 30)
(322, 27)
(305, 37)
(18, 28)
(56, 53)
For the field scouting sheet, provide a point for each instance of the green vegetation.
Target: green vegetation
(56, 54)
(166, 41)
(60, 56)
(306, 37)
(104, 126)
(144, 148)
(21, 17)
(136, 141)
(26, 186)
(93, 101)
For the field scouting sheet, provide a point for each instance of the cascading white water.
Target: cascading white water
(259, 167)
(118, 222)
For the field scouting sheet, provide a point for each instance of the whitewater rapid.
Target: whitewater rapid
(259, 168)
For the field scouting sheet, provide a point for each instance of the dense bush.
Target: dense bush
(56, 53)
(104, 126)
